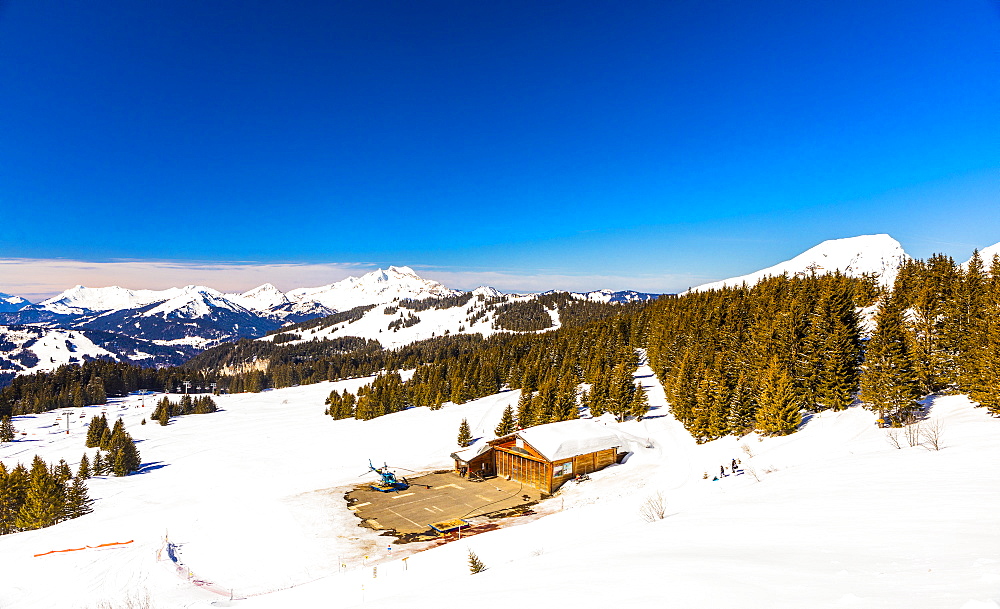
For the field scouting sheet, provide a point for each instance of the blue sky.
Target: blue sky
(653, 145)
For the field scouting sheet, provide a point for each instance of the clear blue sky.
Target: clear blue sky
(669, 139)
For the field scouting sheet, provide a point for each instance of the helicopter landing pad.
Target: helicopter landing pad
(436, 498)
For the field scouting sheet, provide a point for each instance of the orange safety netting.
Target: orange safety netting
(103, 545)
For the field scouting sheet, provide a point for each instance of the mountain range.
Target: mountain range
(167, 327)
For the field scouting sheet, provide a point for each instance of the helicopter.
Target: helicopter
(390, 483)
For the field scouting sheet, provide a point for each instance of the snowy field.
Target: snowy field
(253, 495)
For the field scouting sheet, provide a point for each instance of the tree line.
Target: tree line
(40, 496)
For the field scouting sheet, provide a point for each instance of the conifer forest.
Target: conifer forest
(731, 360)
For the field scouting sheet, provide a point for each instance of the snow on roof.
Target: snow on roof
(567, 439)
(471, 452)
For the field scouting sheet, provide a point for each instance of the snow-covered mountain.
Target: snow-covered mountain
(28, 349)
(9, 304)
(986, 255)
(853, 256)
(618, 297)
(483, 311)
(376, 287)
(394, 306)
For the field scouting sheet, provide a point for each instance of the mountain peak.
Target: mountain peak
(853, 256)
(11, 304)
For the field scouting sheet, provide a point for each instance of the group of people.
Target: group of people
(734, 469)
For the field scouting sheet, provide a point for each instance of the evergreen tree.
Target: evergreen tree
(984, 384)
(507, 423)
(778, 403)
(475, 565)
(7, 431)
(62, 472)
(6, 513)
(12, 497)
(98, 425)
(95, 393)
(99, 468)
(742, 409)
(43, 504)
(889, 383)
(105, 439)
(162, 413)
(640, 403)
(78, 501)
(123, 456)
(84, 471)
(525, 416)
(464, 435)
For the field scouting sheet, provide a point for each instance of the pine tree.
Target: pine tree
(6, 513)
(475, 565)
(98, 425)
(78, 501)
(99, 468)
(984, 386)
(464, 435)
(889, 384)
(7, 431)
(640, 403)
(105, 439)
(123, 456)
(525, 416)
(507, 423)
(84, 471)
(163, 412)
(742, 408)
(778, 404)
(62, 472)
(12, 497)
(43, 504)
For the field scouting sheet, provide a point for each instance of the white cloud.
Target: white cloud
(37, 279)
(40, 278)
(541, 281)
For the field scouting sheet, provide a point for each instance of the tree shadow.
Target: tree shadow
(145, 468)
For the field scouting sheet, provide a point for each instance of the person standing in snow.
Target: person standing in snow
(722, 471)
(734, 466)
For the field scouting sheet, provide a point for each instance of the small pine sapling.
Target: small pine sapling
(475, 565)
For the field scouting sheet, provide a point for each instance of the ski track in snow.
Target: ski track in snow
(254, 496)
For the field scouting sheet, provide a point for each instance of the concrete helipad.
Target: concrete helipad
(436, 498)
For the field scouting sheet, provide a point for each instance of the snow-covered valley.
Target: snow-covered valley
(831, 516)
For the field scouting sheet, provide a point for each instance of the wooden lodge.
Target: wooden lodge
(545, 456)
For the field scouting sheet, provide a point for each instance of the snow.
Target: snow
(193, 302)
(261, 298)
(487, 292)
(832, 516)
(9, 304)
(82, 299)
(53, 347)
(567, 439)
(853, 256)
(986, 255)
(376, 287)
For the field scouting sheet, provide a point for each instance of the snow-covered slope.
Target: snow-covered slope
(853, 256)
(28, 349)
(986, 255)
(831, 517)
